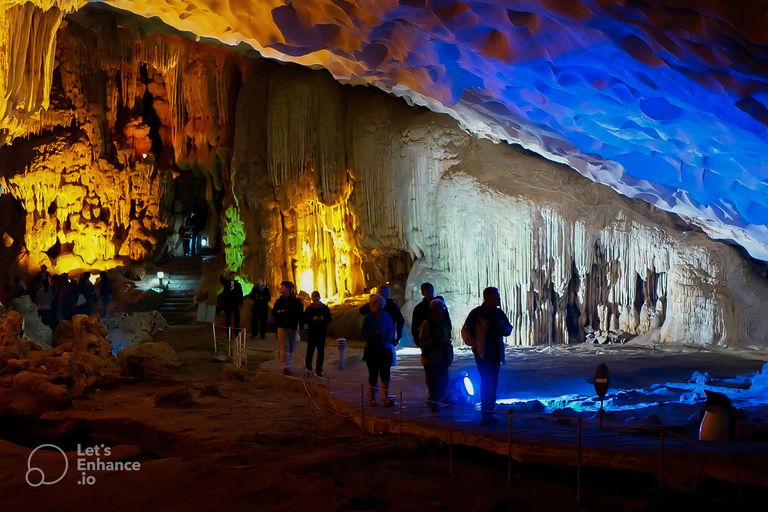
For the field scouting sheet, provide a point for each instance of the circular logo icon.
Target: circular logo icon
(36, 470)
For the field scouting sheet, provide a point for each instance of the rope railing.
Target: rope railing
(402, 403)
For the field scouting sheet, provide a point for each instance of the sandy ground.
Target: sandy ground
(261, 445)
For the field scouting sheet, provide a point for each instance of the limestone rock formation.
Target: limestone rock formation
(33, 380)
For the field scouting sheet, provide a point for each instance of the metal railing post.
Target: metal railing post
(450, 440)
(400, 429)
(509, 447)
(661, 473)
(578, 465)
(362, 411)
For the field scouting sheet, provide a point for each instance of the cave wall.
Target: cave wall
(334, 187)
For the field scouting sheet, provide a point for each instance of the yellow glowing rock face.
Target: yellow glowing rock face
(77, 207)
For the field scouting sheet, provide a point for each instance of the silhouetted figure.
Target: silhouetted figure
(484, 330)
(86, 296)
(18, 288)
(392, 309)
(434, 334)
(44, 300)
(232, 295)
(186, 236)
(317, 316)
(379, 333)
(287, 311)
(105, 291)
(261, 297)
(5, 296)
(421, 311)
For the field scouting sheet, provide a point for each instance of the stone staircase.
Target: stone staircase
(181, 282)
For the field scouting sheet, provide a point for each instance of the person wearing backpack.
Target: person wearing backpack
(484, 331)
(436, 352)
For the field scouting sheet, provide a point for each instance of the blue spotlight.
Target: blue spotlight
(461, 391)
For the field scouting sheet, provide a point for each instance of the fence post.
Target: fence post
(215, 347)
(327, 403)
(450, 440)
(578, 465)
(509, 448)
(362, 411)
(400, 430)
(661, 474)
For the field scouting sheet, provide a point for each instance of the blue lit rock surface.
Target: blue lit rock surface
(663, 102)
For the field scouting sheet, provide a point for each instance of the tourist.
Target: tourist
(434, 335)
(86, 296)
(421, 311)
(287, 312)
(186, 236)
(261, 297)
(379, 334)
(484, 330)
(44, 300)
(317, 316)
(5, 296)
(105, 291)
(18, 288)
(393, 310)
(232, 297)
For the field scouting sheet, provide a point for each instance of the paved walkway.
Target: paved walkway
(536, 436)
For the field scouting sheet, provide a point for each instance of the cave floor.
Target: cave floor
(260, 444)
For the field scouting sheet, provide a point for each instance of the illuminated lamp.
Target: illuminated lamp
(160, 276)
(204, 241)
(461, 391)
(93, 278)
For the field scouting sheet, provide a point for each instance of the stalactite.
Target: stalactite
(27, 49)
(304, 121)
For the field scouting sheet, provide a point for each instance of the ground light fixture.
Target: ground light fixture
(461, 390)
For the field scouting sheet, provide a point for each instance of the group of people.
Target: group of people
(431, 327)
(58, 297)
(288, 315)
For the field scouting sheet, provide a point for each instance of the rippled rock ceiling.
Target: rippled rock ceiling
(662, 100)
(339, 188)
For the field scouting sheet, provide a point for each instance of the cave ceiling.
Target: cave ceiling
(664, 101)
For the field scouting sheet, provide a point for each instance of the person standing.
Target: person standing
(86, 297)
(261, 297)
(186, 236)
(232, 296)
(44, 300)
(317, 316)
(105, 291)
(379, 332)
(287, 312)
(434, 334)
(393, 310)
(421, 311)
(483, 331)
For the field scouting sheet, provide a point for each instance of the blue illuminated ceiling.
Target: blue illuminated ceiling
(665, 101)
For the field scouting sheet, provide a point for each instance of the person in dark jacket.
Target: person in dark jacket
(105, 291)
(434, 333)
(86, 296)
(261, 297)
(392, 309)
(232, 296)
(484, 330)
(317, 316)
(421, 311)
(287, 312)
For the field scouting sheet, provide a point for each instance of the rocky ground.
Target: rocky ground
(206, 440)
